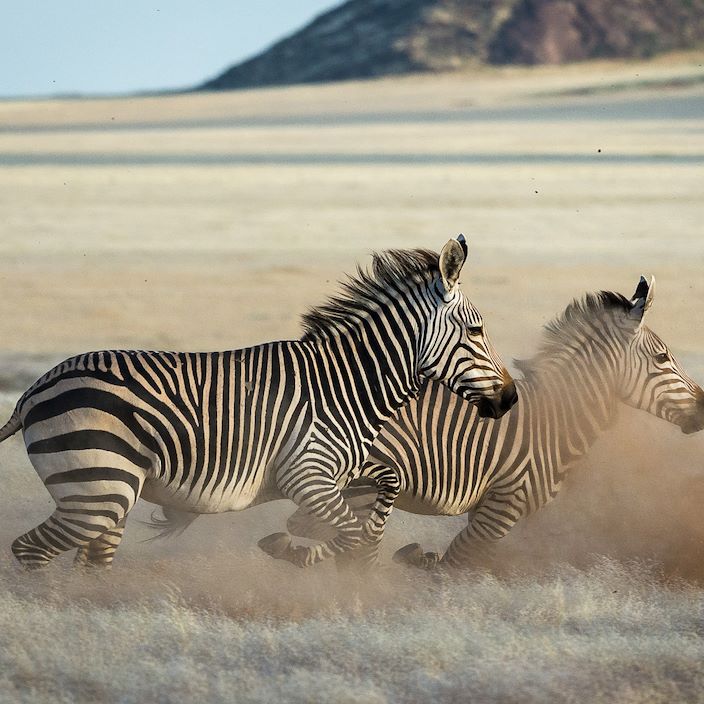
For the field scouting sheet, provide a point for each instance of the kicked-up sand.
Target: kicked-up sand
(211, 221)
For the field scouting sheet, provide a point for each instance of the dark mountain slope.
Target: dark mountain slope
(365, 38)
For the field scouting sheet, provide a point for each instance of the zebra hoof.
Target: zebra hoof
(277, 544)
(409, 555)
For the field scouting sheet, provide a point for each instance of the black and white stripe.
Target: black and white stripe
(451, 462)
(221, 431)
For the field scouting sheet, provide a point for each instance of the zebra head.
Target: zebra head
(652, 379)
(455, 348)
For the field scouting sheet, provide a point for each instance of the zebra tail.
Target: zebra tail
(12, 425)
(173, 523)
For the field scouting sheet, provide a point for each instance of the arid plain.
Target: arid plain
(206, 221)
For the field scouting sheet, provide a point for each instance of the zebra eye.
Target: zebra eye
(662, 357)
(475, 330)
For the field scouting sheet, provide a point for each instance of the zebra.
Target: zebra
(222, 431)
(452, 462)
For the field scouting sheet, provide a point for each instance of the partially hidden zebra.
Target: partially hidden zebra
(222, 431)
(597, 354)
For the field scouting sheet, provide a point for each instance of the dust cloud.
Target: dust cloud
(638, 495)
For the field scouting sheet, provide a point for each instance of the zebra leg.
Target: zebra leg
(360, 495)
(41, 544)
(490, 521)
(82, 517)
(100, 552)
(468, 549)
(57, 534)
(474, 544)
(388, 485)
(384, 484)
(318, 495)
(465, 550)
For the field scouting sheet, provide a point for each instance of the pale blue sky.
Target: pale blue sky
(96, 46)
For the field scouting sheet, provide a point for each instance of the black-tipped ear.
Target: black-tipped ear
(452, 259)
(463, 244)
(642, 298)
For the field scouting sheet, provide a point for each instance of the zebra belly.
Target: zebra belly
(219, 499)
(425, 494)
(427, 506)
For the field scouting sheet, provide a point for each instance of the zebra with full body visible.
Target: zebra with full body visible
(213, 432)
(595, 355)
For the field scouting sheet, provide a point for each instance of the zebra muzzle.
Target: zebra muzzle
(692, 424)
(498, 405)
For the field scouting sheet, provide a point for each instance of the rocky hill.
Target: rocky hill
(365, 38)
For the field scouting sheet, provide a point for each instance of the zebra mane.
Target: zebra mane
(559, 333)
(391, 269)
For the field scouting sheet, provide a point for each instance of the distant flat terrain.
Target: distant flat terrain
(114, 209)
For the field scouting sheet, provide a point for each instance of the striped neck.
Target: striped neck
(372, 363)
(570, 400)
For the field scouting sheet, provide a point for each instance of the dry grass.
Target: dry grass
(611, 633)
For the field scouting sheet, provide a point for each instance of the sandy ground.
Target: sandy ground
(211, 222)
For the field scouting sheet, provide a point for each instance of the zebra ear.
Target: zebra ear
(452, 259)
(642, 299)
